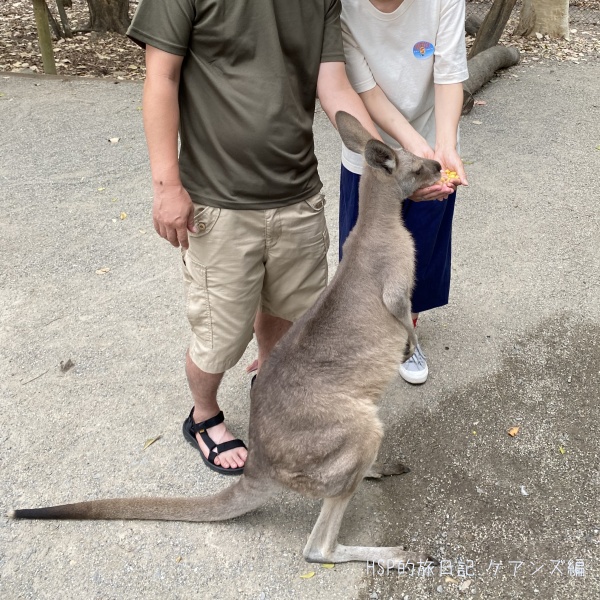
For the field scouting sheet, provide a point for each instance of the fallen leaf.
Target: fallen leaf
(561, 450)
(113, 199)
(464, 585)
(65, 366)
(474, 432)
(328, 565)
(142, 231)
(123, 216)
(480, 102)
(101, 189)
(450, 580)
(477, 122)
(151, 441)
(114, 140)
(178, 559)
(598, 147)
(513, 431)
(103, 271)
(307, 575)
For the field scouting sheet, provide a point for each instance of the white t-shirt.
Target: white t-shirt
(405, 52)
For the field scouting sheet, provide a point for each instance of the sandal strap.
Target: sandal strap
(216, 449)
(216, 420)
(230, 445)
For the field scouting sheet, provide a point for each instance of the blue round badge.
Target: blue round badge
(423, 50)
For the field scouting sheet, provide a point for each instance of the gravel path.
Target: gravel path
(84, 277)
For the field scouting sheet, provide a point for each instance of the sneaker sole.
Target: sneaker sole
(414, 379)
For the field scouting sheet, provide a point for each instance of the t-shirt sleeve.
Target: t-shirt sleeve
(166, 25)
(357, 69)
(450, 65)
(333, 49)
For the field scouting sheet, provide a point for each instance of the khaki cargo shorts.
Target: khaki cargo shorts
(242, 261)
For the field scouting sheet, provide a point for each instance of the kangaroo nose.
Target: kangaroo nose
(437, 165)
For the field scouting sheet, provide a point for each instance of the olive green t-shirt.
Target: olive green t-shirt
(247, 93)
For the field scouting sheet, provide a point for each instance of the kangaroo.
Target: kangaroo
(313, 416)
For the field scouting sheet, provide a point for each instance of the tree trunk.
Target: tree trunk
(60, 5)
(548, 17)
(40, 10)
(482, 68)
(492, 27)
(472, 25)
(109, 15)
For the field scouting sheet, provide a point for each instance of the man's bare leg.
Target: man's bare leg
(204, 388)
(269, 330)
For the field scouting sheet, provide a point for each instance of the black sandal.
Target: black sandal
(190, 429)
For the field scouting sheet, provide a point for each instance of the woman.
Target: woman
(407, 60)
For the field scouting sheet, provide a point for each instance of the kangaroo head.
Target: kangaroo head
(408, 171)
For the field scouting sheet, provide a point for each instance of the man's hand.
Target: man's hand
(173, 213)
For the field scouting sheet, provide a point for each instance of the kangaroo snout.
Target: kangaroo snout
(433, 167)
(429, 172)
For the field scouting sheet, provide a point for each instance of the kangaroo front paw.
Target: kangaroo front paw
(379, 470)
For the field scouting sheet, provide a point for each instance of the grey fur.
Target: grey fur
(313, 418)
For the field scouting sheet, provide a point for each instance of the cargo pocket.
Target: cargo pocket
(197, 300)
(315, 207)
(316, 203)
(205, 218)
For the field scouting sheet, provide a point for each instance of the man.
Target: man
(238, 80)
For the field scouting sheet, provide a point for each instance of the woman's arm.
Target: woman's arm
(448, 107)
(394, 123)
(335, 93)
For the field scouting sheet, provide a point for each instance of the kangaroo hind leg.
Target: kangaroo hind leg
(323, 547)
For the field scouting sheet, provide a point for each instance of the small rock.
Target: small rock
(464, 585)
(524, 491)
(440, 589)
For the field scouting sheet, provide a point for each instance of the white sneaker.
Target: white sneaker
(415, 369)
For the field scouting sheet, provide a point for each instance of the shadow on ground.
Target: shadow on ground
(477, 494)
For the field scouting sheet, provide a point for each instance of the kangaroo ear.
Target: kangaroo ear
(353, 134)
(380, 156)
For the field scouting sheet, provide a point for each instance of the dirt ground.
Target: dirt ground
(109, 55)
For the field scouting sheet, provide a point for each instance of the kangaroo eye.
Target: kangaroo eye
(419, 170)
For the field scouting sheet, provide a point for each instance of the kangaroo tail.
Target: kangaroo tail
(241, 497)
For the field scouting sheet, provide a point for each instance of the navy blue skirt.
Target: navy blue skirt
(430, 224)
